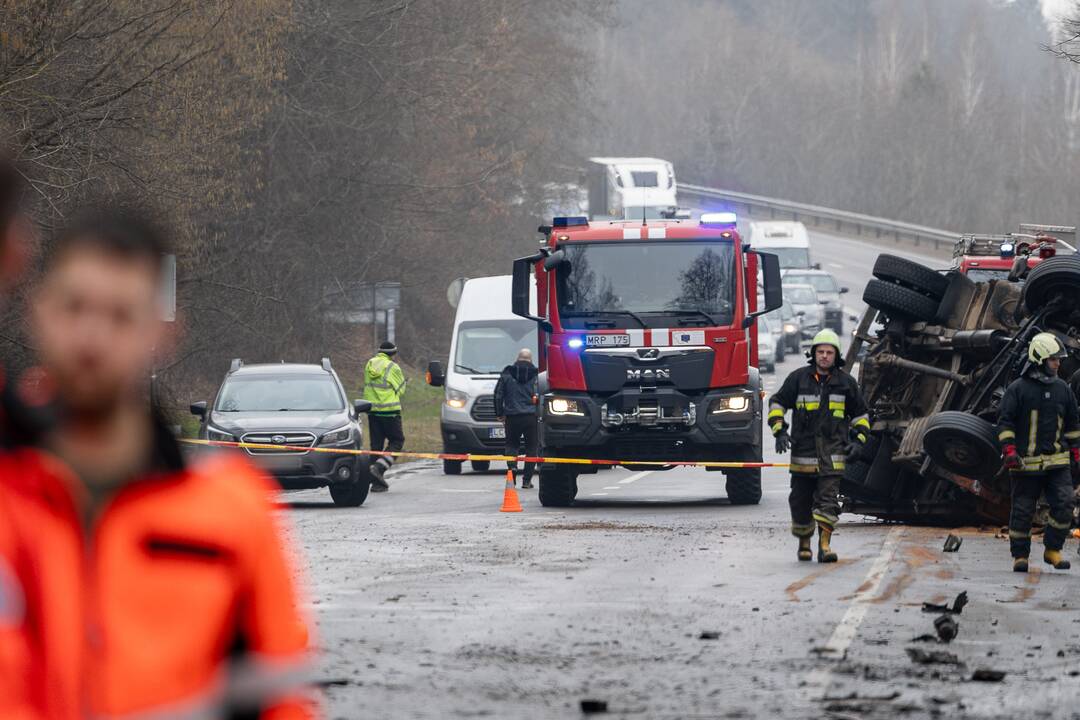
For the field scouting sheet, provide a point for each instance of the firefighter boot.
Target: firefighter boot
(1053, 557)
(824, 552)
(805, 554)
(1020, 564)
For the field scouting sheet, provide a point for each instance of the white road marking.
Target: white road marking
(836, 265)
(613, 487)
(840, 640)
(634, 477)
(598, 494)
(463, 490)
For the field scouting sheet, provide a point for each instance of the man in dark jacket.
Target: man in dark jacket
(829, 422)
(515, 405)
(1037, 421)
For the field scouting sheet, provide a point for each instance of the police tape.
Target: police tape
(484, 458)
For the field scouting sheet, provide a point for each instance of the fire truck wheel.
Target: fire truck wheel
(744, 486)
(896, 300)
(480, 465)
(911, 275)
(962, 443)
(451, 467)
(558, 486)
(1053, 276)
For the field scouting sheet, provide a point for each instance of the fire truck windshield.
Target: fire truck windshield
(650, 284)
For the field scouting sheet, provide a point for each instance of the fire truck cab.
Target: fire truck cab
(1009, 256)
(647, 340)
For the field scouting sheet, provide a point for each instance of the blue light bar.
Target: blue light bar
(714, 219)
(574, 221)
(575, 342)
(1007, 250)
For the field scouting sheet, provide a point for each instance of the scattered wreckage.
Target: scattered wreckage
(936, 351)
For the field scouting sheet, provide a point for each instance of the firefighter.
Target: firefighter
(384, 386)
(1039, 432)
(829, 424)
(133, 583)
(515, 406)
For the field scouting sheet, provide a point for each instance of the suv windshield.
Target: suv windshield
(486, 347)
(800, 295)
(790, 257)
(821, 283)
(279, 393)
(637, 284)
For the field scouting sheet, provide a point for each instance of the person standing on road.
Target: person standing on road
(133, 583)
(515, 405)
(384, 386)
(1039, 417)
(829, 424)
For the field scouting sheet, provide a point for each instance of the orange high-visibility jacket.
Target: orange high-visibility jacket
(179, 602)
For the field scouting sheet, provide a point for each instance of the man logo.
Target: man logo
(647, 374)
(278, 439)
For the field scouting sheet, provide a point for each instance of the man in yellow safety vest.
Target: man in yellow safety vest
(384, 385)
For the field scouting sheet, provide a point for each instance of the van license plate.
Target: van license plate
(607, 340)
(497, 433)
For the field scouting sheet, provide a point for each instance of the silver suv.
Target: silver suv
(298, 406)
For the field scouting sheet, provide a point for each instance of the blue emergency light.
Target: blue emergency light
(575, 342)
(718, 219)
(573, 221)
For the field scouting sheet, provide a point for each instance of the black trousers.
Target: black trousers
(386, 434)
(1026, 487)
(521, 428)
(814, 499)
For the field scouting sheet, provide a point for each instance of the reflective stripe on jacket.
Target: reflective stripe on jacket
(178, 601)
(384, 385)
(823, 412)
(1039, 417)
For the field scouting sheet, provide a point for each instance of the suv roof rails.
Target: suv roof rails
(326, 364)
(236, 364)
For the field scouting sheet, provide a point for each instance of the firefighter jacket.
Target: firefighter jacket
(384, 384)
(1038, 415)
(515, 393)
(825, 409)
(176, 600)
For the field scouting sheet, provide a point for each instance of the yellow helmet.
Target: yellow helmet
(826, 337)
(1044, 346)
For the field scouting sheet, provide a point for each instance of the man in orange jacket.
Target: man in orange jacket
(133, 585)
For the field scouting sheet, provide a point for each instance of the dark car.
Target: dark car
(828, 291)
(297, 407)
(785, 319)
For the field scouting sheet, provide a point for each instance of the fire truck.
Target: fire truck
(647, 341)
(1011, 255)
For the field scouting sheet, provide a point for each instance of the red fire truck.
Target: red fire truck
(648, 345)
(997, 257)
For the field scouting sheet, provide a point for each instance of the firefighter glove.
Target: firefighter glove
(1012, 458)
(783, 441)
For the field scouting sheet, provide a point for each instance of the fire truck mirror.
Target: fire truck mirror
(774, 289)
(555, 259)
(519, 300)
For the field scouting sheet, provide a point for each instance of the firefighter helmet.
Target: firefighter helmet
(1045, 346)
(826, 337)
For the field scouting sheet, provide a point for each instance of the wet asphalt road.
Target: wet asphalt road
(430, 603)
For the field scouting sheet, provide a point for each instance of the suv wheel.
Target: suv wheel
(480, 465)
(451, 467)
(558, 486)
(353, 494)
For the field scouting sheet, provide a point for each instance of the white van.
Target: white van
(786, 239)
(487, 338)
(623, 188)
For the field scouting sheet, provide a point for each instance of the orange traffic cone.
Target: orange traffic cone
(510, 498)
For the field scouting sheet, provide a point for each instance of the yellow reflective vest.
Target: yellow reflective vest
(384, 385)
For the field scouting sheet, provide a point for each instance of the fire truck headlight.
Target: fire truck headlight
(562, 406)
(730, 404)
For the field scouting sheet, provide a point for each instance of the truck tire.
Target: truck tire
(911, 275)
(558, 486)
(451, 467)
(1060, 274)
(962, 443)
(897, 300)
(743, 486)
(480, 465)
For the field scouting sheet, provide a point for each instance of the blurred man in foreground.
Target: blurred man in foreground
(129, 582)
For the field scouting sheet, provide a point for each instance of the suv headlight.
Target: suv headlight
(730, 404)
(212, 433)
(337, 437)
(456, 398)
(563, 406)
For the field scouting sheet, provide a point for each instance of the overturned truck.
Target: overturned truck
(936, 351)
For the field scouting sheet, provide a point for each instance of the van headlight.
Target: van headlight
(730, 404)
(564, 406)
(456, 399)
(337, 437)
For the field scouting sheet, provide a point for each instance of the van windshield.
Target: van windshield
(485, 347)
(790, 257)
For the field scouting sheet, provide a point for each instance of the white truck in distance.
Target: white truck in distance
(622, 188)
(786, 239)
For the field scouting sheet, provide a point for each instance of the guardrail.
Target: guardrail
(816, 216)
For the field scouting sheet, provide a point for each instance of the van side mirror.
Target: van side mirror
(361, 406)
(436, 376)
(199, 408)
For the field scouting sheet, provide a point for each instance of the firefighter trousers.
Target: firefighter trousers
(814, 499)
(387, 434)
(1056, 483)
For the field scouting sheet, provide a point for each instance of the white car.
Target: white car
(768, 346)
